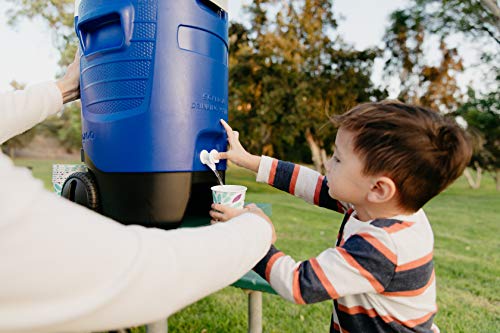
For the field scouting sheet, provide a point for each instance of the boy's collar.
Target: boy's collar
(413, 217)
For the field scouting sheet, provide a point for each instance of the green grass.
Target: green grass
(466, 229)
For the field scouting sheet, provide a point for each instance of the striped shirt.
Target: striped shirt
(380, 273)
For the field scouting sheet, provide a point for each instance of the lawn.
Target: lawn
(466, 228)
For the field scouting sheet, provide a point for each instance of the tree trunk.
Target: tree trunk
(492, 7)
(469, 178)
(315, 151)
(12, 152)
(267, 147)
(497, 179)
(474, 183)
(268, 150)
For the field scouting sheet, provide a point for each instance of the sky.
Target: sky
(28, 56)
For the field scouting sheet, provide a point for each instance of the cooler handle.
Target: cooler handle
(106, 29)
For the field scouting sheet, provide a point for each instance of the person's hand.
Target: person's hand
(69, 84)
(236, 153)
(221, 213)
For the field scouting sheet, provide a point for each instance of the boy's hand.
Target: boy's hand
(236, 153)
(221, 213)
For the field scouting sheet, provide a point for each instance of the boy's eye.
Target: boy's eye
(335, 159)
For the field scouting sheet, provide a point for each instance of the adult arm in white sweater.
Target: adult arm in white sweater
(66, 269)
(21, 110)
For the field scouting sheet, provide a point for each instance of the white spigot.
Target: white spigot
(209, 159)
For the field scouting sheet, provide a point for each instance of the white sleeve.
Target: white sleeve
(66, 268)
(20, 110)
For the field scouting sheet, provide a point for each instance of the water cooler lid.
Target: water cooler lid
(221, 3)
(77, 4)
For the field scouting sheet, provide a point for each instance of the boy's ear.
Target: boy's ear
(382, 190)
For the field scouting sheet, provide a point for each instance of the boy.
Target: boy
(389, 160)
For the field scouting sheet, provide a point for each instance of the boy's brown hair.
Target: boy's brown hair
(420, 150)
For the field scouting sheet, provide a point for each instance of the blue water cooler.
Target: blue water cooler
(154, 85)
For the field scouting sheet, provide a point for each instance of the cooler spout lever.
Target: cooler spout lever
(209, 159)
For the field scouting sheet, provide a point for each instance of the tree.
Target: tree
(433, 86)
(482, 115)
(436, 86)
(422, 20)
(478, 19)
(330, 77)
(287, 77)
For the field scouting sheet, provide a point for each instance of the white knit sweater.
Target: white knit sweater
(64, 268)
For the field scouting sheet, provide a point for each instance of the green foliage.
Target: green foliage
(482, 115)
(473, 18)
(288, 77)
(68, 127)
(436, 86)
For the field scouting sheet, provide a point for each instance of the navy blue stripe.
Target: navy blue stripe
(342, 226)
(283, 176)
(370, 259)
(325, 200)
(385, 223)
(366, 324)
(260, 267)
(311, 288)
(425, 327)
(411, 279)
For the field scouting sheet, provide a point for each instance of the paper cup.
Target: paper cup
(60, 172)
(229, 195)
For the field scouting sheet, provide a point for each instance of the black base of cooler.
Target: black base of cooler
(159, 200)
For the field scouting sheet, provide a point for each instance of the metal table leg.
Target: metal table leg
(254, 311)
(158, 327)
